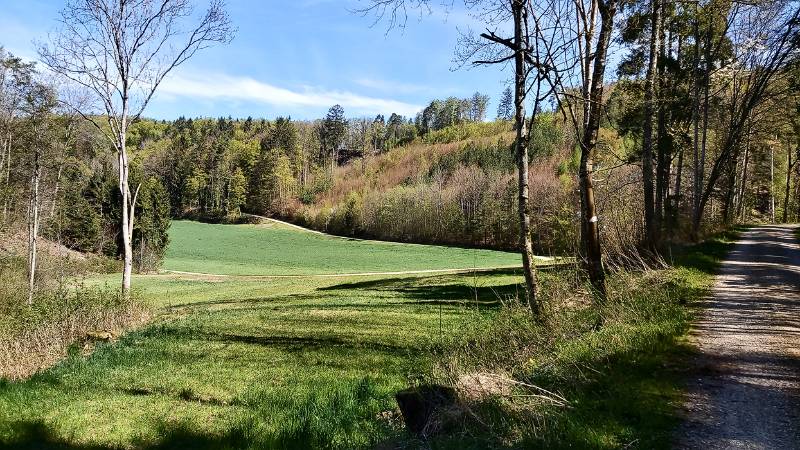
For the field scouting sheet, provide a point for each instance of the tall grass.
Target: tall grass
(569, 384)
(34, 337)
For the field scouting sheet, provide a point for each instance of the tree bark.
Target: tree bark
(772, 183)
(743, 183)
(663, 145)
(521, 144)
(128, 205)
(590, 230)
(789, 166)
(33, 224)
(647, 129)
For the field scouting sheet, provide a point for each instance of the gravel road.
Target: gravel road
(744, 391)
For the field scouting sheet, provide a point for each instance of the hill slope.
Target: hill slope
(454, 186)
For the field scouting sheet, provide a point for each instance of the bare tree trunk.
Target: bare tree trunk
(128, 206)
(647, 129)
(663, 145)
(590, 230)
(730, 193)
(697, 185)
(521, 144)
(772, 183)
(743, 183)
(33, 224)
(8, 176)
(789, 166)
(55, 191)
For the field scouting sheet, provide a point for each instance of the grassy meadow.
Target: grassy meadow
(297, 361)
(277, 249)
(314, 362)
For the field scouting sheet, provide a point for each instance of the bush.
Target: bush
(36, 337)
(466, 130)
(63, 312)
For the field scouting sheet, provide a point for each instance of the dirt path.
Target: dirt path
(745, 393)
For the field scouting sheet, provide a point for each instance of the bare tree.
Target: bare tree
(556, 51)
(39, 100)
(120, 51)
(492, 47)
(574, 37)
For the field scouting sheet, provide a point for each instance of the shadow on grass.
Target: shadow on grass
(425, 291)
(336, 417)
(38, 436)
(707, 255)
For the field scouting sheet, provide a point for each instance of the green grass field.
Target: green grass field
(286, 362)
(314, 362)
(279, 250)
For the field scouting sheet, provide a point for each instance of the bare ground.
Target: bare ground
(744, 391)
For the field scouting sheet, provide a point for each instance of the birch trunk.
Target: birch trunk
(33, 225)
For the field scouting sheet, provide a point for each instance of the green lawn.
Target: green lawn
(280, 250)
(286, 363)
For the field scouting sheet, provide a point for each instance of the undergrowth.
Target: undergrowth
(569, 384)
(36, 336)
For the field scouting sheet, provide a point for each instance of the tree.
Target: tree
(15, 79)
(333, 132)
(651, 225)
(505, 110)
(120, 52)
(763, 39)
(237, 192)
(152, 235)
(478, 105)
(39, 102)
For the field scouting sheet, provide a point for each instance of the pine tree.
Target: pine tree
(505, 110)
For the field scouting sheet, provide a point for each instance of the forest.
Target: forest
(631, 142)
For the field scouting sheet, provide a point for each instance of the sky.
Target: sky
(298, 58)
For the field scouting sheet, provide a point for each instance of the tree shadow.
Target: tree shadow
(36, 435)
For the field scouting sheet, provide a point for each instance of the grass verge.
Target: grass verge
(568, 385)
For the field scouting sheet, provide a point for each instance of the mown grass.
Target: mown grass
(315, 363)
(279, 250)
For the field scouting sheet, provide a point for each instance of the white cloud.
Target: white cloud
(226, 87)
(391, 86)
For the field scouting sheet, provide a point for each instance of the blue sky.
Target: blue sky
(298, 58)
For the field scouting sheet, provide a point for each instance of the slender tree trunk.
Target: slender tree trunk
(743, 182)
(663, 145)
(590, 230)
(697, 191)
(8, 177)
(728, 205)
(127, 208)
(521, 144)
(772, 183)
(651, 237)
(676, 200)
(33, 224)
(789, 164)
